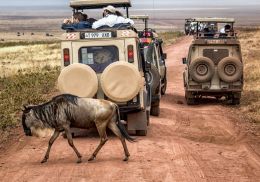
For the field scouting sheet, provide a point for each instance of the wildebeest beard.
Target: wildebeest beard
(47, 113)
(26, 129)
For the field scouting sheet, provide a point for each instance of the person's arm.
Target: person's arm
(99, 23)
(130, 21)
(125, 21)
(68, 26)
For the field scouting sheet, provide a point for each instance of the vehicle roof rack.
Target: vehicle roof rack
(218, 20)
(97, 4)
(139, 17)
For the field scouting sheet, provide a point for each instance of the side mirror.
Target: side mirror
(160, 41)
(184, 60)
(164, 56)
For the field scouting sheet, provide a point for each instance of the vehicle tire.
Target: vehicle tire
(155, 109)
(230, 69)
(78, 79)
(121, 81)
(164, 87)
(190, 99)
(202, 69)
(235, 101)
(141, 132)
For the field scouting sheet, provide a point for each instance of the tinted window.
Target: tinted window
(98, 57)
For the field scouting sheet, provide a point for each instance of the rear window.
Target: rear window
(98, 57)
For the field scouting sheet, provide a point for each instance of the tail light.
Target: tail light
(146, 40)
(130, 50)
(66, 57)
(147, 34)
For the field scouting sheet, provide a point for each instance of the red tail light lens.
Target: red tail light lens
(130, 49)
(66, 57)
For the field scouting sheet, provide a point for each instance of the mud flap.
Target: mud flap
(137, 121)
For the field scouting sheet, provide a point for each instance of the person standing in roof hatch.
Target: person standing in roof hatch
(111, 18)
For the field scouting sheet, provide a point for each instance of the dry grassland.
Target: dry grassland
(170, 37)
(19, 57)
(250, 105)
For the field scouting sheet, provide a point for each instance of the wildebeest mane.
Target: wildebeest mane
(47, 112)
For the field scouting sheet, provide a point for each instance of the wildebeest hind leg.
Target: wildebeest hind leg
(69, 137)
(112, 125)
(53, 138)
(103, 139)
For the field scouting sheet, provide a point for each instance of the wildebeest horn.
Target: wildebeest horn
(27, 107)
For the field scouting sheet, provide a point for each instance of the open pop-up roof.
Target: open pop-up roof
(96, 4)
(217, 20)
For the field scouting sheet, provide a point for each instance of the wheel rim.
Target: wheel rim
(230, 69)
(202, 69)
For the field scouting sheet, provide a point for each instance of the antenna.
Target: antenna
(153, 9)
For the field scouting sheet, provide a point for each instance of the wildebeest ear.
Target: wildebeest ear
(24, 108)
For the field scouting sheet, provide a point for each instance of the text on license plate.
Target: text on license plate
(96, 35)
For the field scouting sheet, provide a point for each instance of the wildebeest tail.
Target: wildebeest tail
(122, 127)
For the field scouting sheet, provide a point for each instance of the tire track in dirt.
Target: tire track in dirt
(198, 143)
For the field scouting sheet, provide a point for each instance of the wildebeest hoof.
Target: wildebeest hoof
(92, 158)
(126, 159)
(44, 160)
(79, 161)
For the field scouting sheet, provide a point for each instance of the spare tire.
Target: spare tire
(78, 79)
(121, 81)
(202, 69)
(230, 69)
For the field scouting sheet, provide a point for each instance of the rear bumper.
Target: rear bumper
(215, 91)
(129, 108)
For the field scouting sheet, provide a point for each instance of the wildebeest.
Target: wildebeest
(68, 111)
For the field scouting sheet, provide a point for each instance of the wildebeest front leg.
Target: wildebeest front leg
(103, 139)
(69, 137)
(53, 138)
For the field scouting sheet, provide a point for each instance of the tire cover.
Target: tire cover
(121, 81)
(155, 80)
(236, 72)
(78, 79)
(202, 63)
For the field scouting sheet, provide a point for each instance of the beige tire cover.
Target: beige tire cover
(78, 79)
(121, 81)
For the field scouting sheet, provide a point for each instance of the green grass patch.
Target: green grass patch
(28, 88)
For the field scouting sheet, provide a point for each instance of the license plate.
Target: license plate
(98, 35)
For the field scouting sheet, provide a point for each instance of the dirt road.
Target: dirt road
(199, 143)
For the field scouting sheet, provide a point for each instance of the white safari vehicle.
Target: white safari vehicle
(107, 64)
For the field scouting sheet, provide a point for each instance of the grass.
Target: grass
(20, 56)
(170, 37)
(250, 103)
(29, 88)
(26, 43)
(28, 73)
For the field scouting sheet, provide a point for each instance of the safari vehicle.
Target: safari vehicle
(107, 64)
(214, 63)
(153, 53)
